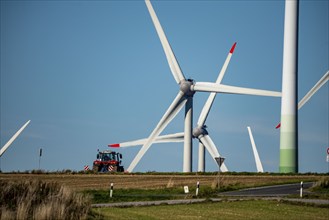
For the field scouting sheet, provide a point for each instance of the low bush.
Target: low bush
(322, 185)
(41, 200)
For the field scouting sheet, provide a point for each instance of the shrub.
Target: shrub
(322, 184)
(37, 171)
(40, 200)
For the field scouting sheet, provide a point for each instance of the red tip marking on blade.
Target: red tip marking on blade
(233, 47)
(278, 126)
(114, 145)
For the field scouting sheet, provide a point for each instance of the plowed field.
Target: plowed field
(133, 181)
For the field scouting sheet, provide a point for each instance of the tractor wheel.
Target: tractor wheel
(95, 168)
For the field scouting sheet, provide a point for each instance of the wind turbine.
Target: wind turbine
(185, 97)
(13, 138)
(199, 131)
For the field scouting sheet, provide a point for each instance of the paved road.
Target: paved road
(278, 191)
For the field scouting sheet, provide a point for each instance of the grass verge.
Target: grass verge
(131, 195)
(257, 209)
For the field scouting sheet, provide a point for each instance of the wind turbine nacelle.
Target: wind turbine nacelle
(199, 131)
(185, 87)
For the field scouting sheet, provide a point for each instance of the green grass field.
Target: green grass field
(257, 209)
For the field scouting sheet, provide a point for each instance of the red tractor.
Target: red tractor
(108, 161)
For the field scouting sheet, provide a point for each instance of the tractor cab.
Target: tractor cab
(108, 156)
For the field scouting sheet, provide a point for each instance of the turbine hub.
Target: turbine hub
(185, 87)
(199, 131)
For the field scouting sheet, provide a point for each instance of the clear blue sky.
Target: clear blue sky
(91, 73)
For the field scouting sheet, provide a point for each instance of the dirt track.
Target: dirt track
(102, 181)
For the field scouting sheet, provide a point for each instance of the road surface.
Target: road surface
(269, 191)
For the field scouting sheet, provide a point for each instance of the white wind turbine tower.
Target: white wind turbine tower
(13, 138)
(185, 97)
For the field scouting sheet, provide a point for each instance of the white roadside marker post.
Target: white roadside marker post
(301, 189)
(197, 188)
(111, 191)
(186, 189)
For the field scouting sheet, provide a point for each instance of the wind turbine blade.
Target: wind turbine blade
(13, 138)
(224, 67)
(213, 87)
(206, 108)
(172, 61)
(278, 126)
(315, 88)
(211, 147)
(254, 149)
(172, 111)
(169, 138)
